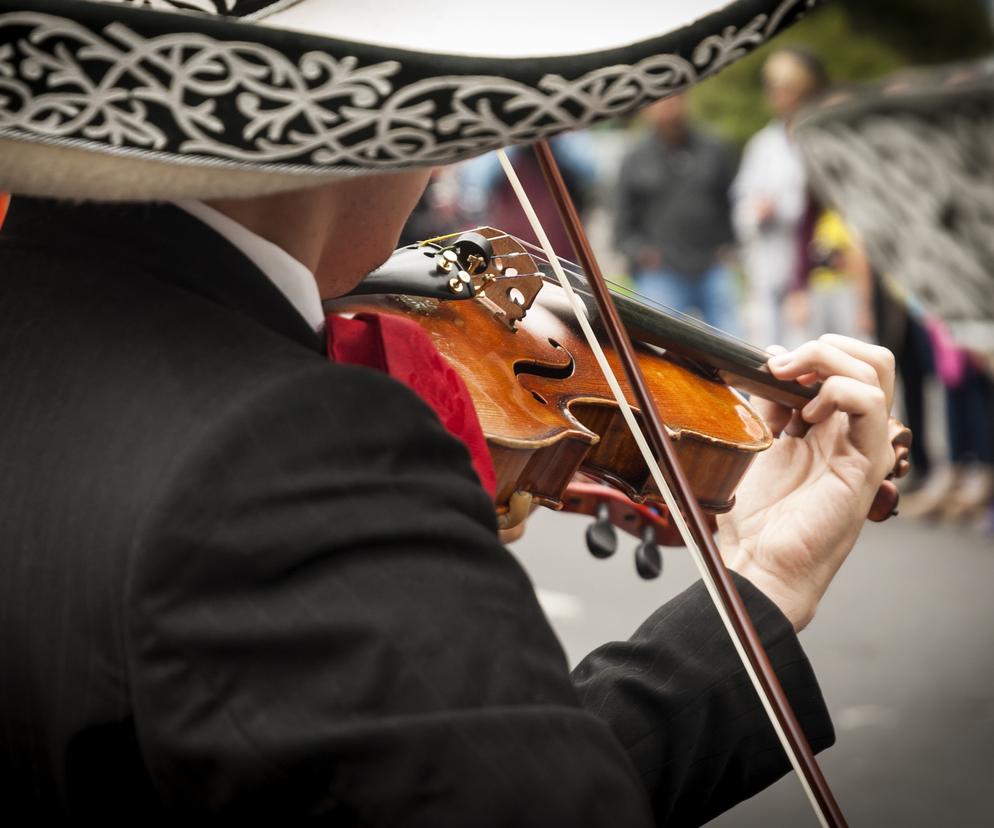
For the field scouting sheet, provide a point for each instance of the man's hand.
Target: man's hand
(800, 508)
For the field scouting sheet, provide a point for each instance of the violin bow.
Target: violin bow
(669, 477)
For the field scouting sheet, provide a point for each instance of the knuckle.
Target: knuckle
(868, 376)
(832, 386)
(881, 356)
(843, 343)
(888, 360)
(809, 351)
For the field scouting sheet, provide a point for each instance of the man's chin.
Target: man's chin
(342, 283)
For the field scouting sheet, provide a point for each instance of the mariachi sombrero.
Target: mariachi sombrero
(909, 163)
(148, 99)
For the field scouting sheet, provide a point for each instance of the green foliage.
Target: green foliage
(858, 40)
(928, 31)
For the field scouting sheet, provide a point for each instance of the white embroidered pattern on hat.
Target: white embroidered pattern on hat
(62, 82)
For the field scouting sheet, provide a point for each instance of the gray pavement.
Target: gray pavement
(902, 645)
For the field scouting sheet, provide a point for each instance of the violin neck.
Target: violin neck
(708, 350)
(738, 363)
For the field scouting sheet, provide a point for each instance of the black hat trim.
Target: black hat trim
(122, 80)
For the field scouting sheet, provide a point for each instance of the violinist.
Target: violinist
(239, 580)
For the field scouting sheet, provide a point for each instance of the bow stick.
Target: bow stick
(673, 485)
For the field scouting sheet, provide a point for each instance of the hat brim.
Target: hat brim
(216, 95)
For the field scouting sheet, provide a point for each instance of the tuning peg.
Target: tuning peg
(602, 540)
(648, 558)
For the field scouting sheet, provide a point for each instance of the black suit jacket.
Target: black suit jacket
(236, 579)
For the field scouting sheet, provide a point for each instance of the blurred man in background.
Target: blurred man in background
(770, 192)
(672, 220)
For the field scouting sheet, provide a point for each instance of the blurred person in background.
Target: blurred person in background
(485, 195)
(898, 326)
(831, 291)
(962, 488)
(769, 193)
(673, 219)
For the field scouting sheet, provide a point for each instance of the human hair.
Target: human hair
(809, 63)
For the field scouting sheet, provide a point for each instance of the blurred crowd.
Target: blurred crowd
(744, 245)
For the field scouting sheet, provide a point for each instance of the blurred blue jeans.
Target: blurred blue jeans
(711, 296)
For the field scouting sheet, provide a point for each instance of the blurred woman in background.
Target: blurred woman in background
(769, 194)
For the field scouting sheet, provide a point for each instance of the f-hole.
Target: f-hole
(550, 371)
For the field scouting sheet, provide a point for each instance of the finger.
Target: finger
(866, 406)
(881, 359)
(777, 416)
(824, 360)
(839, 393)
(796, 427)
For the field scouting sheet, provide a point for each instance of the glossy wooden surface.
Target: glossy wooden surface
(548, 412)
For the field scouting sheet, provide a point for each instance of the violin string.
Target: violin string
(506, 277)
(657, 475)
(575, 270)
(536, 253)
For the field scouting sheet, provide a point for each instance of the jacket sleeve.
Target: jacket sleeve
(323, 625)
(682, 706)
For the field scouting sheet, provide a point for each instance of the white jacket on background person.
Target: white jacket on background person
(771, 172)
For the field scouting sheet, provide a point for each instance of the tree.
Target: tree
(858, 41)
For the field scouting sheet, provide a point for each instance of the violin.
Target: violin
(493, 311)
(546, 414)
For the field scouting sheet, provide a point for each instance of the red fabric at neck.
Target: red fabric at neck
(400, 348)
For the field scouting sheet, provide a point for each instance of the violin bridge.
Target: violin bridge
(484, 264)
(512, 296)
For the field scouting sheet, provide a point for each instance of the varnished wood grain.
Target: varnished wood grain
(548, 412)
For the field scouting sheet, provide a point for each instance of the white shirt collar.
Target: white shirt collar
(290, 277)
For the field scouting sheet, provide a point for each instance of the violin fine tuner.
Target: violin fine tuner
(648, 558)
(466, 261)
(602, 540)
(484, 264)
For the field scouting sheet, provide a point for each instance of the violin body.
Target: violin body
(547, 411)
